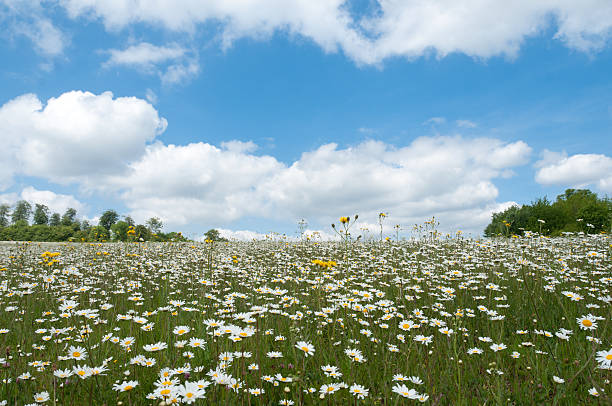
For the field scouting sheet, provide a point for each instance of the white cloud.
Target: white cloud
(180, 72)
(144, 55)
(435, 121)
(75, 136)
(395, 28)
(580, 170)
(172, 63)
(465, 123)
(27, 18)
(57, 203)
(199, 183)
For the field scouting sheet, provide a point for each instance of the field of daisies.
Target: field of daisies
(445, 322)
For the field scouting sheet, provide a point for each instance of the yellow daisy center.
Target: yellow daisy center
(609, 357)
(587, 322)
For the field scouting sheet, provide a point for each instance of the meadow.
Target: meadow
(441, 321)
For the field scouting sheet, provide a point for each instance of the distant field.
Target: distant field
(449, 322)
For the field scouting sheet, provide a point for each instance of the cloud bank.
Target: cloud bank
(109, 145)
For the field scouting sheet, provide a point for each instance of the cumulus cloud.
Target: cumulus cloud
(393, 28)
(201, 183)
(579, 170)
(75, 136)
(57, 203)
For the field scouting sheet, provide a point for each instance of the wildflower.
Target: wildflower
(41, 397)
(415, 380)
(605, 359)
(181, 330)
(474, 350)
(329, 389)
(82, 371)
(359, 391)
(306, 347)
(558, 380)
(594, 392)
(423, 339)
(498, 347)
(588, 322)
(286, 402)
(125, 386)
(274, 354)
(66, 373)
(190, 392)
(403, 391)
(256, 391)
(77, 353)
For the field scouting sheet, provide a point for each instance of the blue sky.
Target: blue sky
(249, 116)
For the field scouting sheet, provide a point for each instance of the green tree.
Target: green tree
(98, 233)
(4, 212)
(142, 233)
(213, 235)
(41, 214)
(108, 218)
(69, 217)
(130, 221)
(155, 225)
(119, 231)
(22, 212)
(55, 219)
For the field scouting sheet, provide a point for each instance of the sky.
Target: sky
(247, 116)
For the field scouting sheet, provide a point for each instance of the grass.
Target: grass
(254, 299)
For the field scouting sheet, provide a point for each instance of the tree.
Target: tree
(41, 214)
(69, 217)
(98, 233)
(155, 225)
(22, 212)
(4, 212)
(108, 218)
(214, 235)
(119, 231)
(130, 221)
(55, 219)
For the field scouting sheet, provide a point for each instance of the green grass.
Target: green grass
(478, 289)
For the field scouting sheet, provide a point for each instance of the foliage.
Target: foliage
(213, 235)
(573, 211)
(41, 214)
(55, 219)
(4, 213)
(21, 212)
(108, 218)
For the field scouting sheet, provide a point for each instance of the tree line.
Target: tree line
(36, 223)
(576, 210)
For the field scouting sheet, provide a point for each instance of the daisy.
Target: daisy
(190, 392)
(180, 330)
(256, 391)
(41, 397)
(605, 359)
(474, 350)
(359, 391)
(306, 347)
(558, 380)
(588, 322)
(498, 347)
(125, 386)
(403, 391)
(77, 353)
